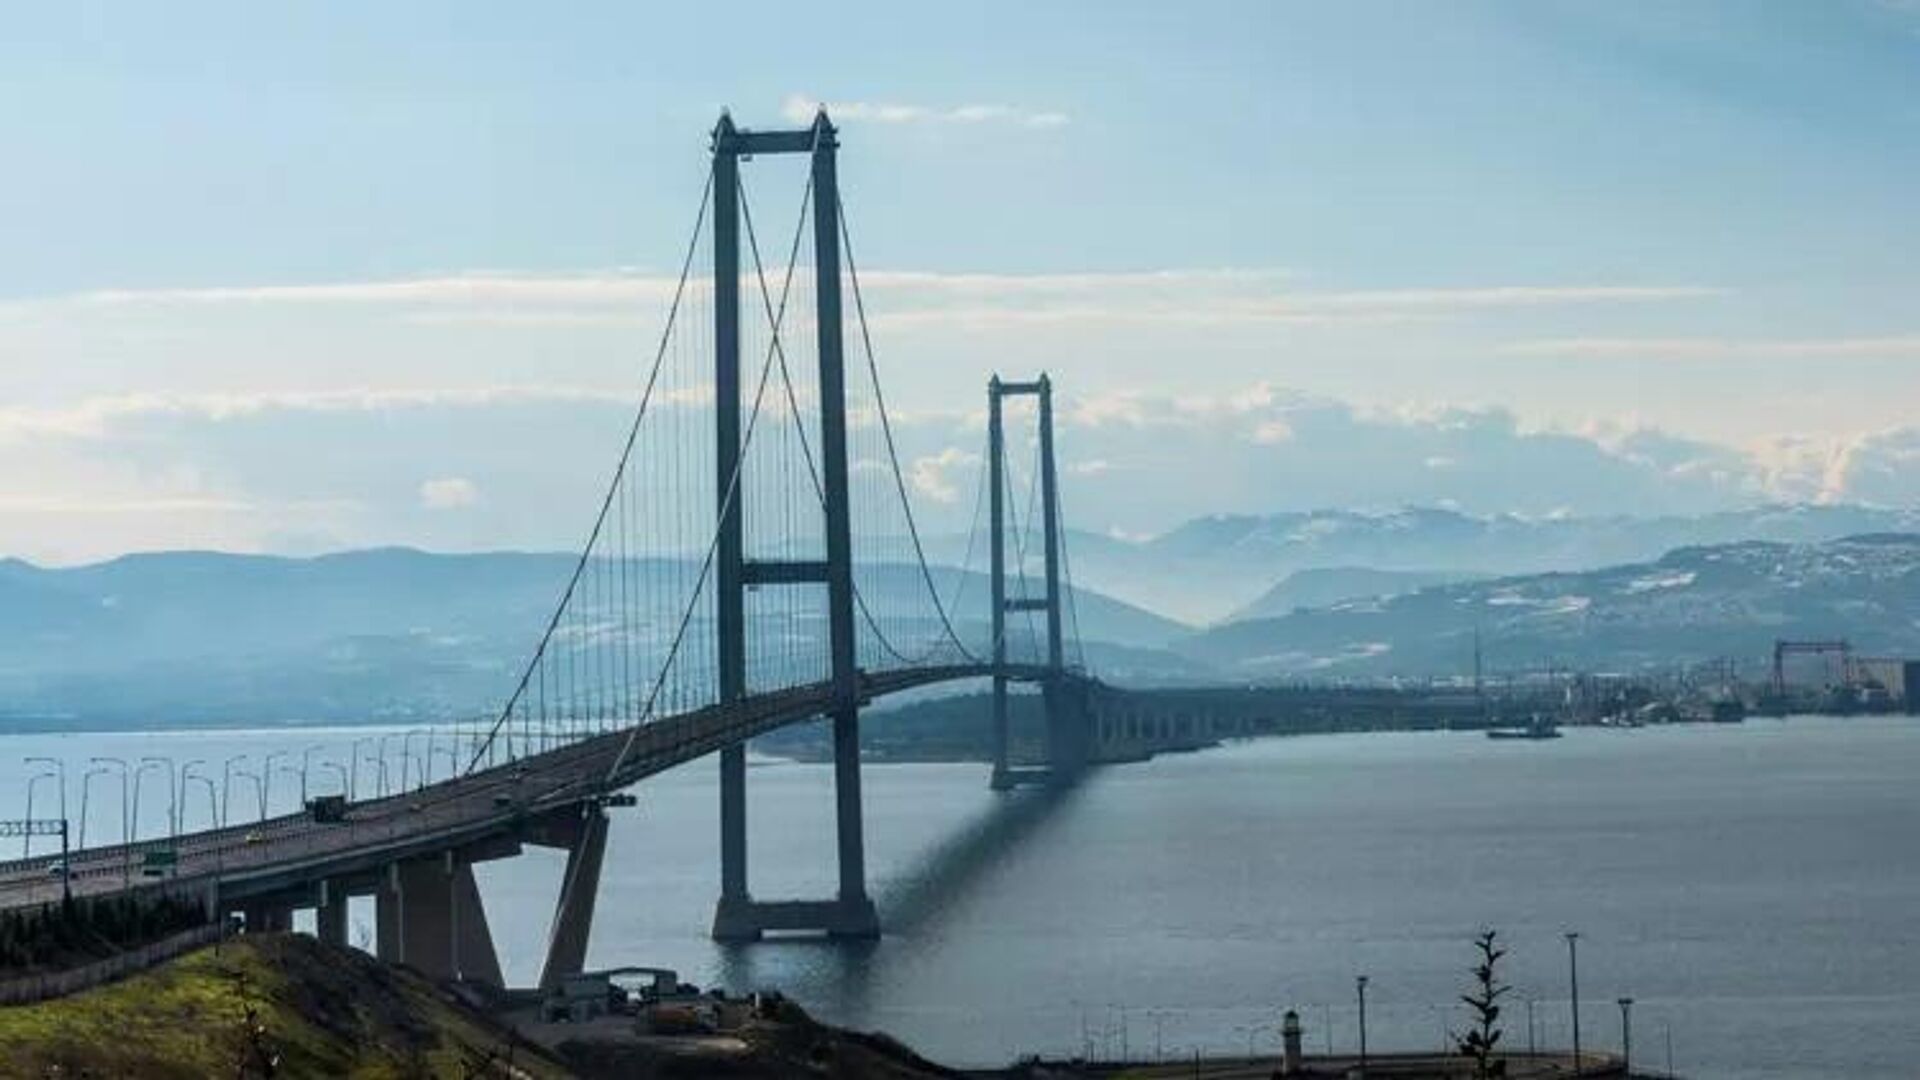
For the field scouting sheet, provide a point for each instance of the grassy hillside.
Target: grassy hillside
(323, 1011)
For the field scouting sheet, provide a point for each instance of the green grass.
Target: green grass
(326, 1012)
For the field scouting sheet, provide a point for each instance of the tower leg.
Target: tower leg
(856, 917)
(733, 917)
(567, 955)
(1002, 778)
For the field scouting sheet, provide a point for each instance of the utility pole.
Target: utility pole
(1573, 980)
(1360, 986)
(1626, 1033)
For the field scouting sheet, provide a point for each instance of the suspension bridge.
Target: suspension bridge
(755, 562)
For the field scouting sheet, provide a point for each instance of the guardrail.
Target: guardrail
(28, 989)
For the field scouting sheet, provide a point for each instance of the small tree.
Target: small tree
(1479, 1041)
(255, 1057)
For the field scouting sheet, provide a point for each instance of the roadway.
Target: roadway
(275, 854)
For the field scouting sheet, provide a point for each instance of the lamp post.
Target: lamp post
(187, 773)
(1573, 982)
(266, 779)
(60, 769)
(1533, 1046)
(259, 790)
(342, 770)
(126, 817)
(306, 764)
(86, 787)
(1626, 1034)
(382, 744)
(353, 760)
(226, 782)
(26, 835)
(1360, 987)
(164, 764)
(300, 774)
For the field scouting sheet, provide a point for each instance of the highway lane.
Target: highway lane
(482, 804)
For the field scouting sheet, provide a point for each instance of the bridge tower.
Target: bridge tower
(1066, 742)
(850, 914)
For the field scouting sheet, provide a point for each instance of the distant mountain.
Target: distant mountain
(1693, 604)
(1209, 568)
(1325, 586)
(367, 635)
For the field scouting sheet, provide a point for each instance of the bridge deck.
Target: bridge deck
(292, 850)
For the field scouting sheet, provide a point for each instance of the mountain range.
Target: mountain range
(1211, 569)
(378, 634)
(1692, 605)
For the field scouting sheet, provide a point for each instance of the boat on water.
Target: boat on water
(1539, 727)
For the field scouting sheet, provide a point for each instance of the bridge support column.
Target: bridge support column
(573, 921)
(330, 915)
(387, 939)
(426, 916)
(267, 917)
(474, 958)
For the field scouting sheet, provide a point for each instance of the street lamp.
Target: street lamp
(382, 744)
(60, 768)
(266, 779)
(26, 837)
(306, 763)
(1626, 1034)
(342, 770)
(173, 801)
(1573, 981)
(126, 816)
(353, 759)
(406, 754)
(86, 786)
(1360, 986)
(187, 773)
(259, 789)
(226, 781)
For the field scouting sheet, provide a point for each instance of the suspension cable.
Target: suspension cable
(619, 472)
(886, 429)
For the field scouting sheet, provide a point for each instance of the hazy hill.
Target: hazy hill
(1209, 568)
(1325, 586)
(1693, 604)
(380, 634)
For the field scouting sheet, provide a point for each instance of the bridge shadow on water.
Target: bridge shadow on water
(837, 976)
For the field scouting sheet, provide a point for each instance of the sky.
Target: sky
(305, 276)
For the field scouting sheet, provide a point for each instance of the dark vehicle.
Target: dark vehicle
(327, 809)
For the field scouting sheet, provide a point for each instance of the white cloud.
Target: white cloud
(1904, 346)
(932, 475)
(800, 109)
(448, 493)
(96, 418)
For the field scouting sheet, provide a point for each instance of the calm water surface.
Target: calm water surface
(1754, 888)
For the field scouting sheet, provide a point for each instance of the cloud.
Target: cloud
(448, 493)
(1905, 346)
(932, 475)
(631, 301)
(96, 418)
(800, 109)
